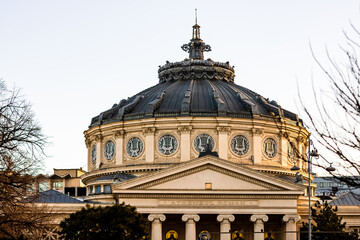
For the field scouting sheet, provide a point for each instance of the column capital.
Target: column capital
(221, 218)
(257, 217)
(160, 217)
(187, 217)
(291, 218)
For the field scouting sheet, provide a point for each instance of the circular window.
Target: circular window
(167, 144)
(93, 154)
(109, 150)
(269, 147)
(204, 142)
(134, 147)
(240, 145)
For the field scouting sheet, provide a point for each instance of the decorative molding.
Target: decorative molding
(229, 218)
(223, 129)
(184, 129)
(206, 167)
(257, 131)
(201, 196)
(119, 133)
(187, 217)
(301, 139)
(88, 142)
(148, 130)
(285, 135)
(196, 69)
(291, 218)
(98, 137)
(160, 217)
(258, 217)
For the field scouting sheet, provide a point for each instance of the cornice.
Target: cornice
(203, 196)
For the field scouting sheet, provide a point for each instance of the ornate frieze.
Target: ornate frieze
(119, 133)
(257, 131)
(184, 129)
(196, 69)
(223, 129)
(148, 130)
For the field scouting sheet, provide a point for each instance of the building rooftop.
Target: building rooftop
(53, 196)
(348, 199)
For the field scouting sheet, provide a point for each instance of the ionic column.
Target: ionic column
(258, 221)
(190, 226)
(225, 226)
(156, 225)
(290, 228)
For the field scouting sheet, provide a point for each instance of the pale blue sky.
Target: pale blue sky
(75, 58)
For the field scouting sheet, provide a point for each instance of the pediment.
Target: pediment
(221, 174)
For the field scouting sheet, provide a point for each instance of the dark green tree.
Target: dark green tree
(119, 221)
(327, 225)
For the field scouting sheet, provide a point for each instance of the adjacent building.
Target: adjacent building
(67, 181)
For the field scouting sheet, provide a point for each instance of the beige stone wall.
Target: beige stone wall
(185, 130)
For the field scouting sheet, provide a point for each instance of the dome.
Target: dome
(195, 109)
(194, 87)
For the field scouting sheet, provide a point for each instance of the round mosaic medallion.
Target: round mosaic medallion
(204, 141)
(269, 147)
(134, 147)
(167, 144)
(240, 145)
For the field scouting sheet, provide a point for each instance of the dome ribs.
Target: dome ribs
(221, 108)
(129, 107)
(202, 99)
(153, 105)
(185, 104)
(245, 101)
(174, 95)
(228, 95)
(149, 96)
(271, 108)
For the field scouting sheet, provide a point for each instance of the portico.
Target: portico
(240, 199)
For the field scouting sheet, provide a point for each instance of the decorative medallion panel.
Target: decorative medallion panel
(202, 142)
(134, 147)
(291, 152)
(109, 150)
(93, 154)
(167, 144)
(240, 145)
(270, 147)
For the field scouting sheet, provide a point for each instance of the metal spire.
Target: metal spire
(195, 15)
(196, 47)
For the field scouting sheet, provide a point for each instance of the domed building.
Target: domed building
(200, 155)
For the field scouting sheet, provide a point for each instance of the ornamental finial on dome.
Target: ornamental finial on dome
(196, 47)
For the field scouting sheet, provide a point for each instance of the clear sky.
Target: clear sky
(74, 59)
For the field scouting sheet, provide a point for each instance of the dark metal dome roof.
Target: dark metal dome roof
(194, 87)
